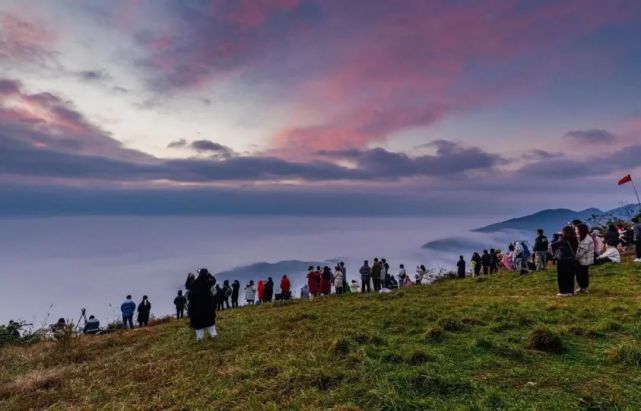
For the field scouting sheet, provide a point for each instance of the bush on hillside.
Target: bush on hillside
(544, 340)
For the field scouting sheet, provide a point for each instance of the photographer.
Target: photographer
(202, 307)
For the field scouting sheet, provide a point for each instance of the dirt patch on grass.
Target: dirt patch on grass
(47, 379)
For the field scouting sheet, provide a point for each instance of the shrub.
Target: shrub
(435, 334)
(627, 354)
(451, 325)
(340, 346)
(545, 340)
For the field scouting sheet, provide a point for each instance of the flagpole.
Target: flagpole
(635, 191)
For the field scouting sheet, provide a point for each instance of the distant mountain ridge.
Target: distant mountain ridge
(553, 219)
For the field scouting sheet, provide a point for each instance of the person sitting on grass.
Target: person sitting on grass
(610, 255)
(92, 326)
(354, 287)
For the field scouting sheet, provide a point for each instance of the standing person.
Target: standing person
(235, 290)
(385, 274)
(485, 262)
(338, 280)
(565, 255)
(326, 281)
(261, 291)
(180, 301)
(377, 270)
(144, 308)
(476, 263)
(461, 267)
(201, 303)
(344, 271)
(285, 288)
(226, 293)
(584, 257)
(313, 282)
(540, 250)
(268, 293)
(365, 273)
(304, 292)
(250, 292)
(637, 239)
(219, 297)
(402, 274)
(420, 274)
(128, 308)
(494, 262)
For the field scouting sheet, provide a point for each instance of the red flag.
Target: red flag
(625, 179)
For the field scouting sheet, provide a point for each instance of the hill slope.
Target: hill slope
(548, 220)
(459, 344)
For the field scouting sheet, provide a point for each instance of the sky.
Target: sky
(297, 107)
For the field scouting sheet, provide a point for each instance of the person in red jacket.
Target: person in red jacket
(285, 287)
(326, 281)
(261, 290)
(313, 282)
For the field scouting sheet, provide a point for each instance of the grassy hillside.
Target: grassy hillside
(460, 344)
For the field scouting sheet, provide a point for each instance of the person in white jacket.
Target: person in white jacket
(250, 293)
(338, 280)
(584, 257)
(610, 255)
(402, 275)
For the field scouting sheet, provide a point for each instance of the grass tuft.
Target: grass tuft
(542, 339)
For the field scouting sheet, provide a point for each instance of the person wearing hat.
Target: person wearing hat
(202, 307)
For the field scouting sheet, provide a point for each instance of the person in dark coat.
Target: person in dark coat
(326, 281)
(494, 262)
(226, 293)
(235, 288)
(565, 255)
(219, 297)
(180, 301)
(201, 303)
(268, 293)
(485, 262)
(143, 311)
(611, 236)
(461, 267)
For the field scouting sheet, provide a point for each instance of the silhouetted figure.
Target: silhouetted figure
(326, 281)
(144, 308)
(226, 293)
(366, 273)
(219, 297)
(565, 256)
(485, 262)
(476, 263)
(461, 267)
(269, 290)
(235, 289)
(494, 262)
(180, 302)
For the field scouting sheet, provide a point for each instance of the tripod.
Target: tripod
(83, 316)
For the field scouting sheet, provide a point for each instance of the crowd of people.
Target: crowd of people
(572, 251)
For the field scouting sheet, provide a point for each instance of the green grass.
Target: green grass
(459, 344)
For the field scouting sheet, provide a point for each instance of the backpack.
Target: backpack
(526, 251)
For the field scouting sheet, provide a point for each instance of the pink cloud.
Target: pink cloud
(25, 38)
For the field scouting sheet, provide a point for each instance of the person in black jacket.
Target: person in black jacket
(143, 311)
(494, 262)
(219, 297)
(485, 262)
(565, 255)
(268, 291)
(540, 250)
(226, 293)
(201, 303)
(180, 301)
(235, 288)
(611, 236)
(461, 267)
